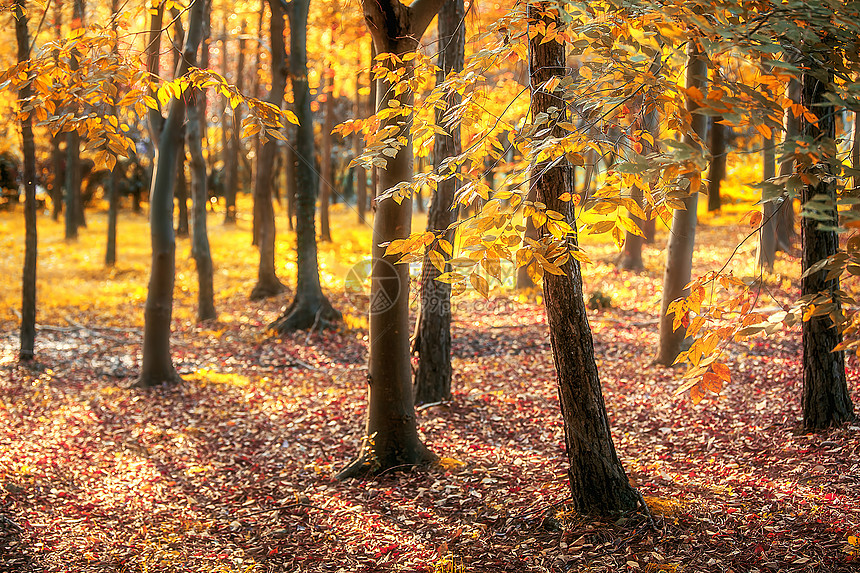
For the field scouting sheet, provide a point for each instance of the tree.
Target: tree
(268, 283)
(432, 339)
(231, 162)
(310, 306)
(74, 205)
(682, 237)
(391, 435)
(157, 367)
(28, 291)
(113, 181)
(717, 164)
(326, 171)
(766, 252)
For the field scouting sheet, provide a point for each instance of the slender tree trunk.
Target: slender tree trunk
(524, 279)
(157, 367)
(374, 87)
(326, 171)
(73, 148)
(181, 190)
(785, 226)
(28, 147)
(290, 176)
(195, 129)
(432, 339)
(766, 252)
(310, 306)
(391, 435)
(717, 165)
(631, 255)
(231, 174)
(268, 283)
(360, 173)
(682, 238)
(825, 400)
(57, 179)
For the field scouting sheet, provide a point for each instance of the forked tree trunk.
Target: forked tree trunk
(682, 237)
(326, 177)
(785, 226)
(157, 367)
(310, 308)
(391, 434)
(825, 400)
(766, 252)
(268, 283)
(432, 339)
(717, 165)
(28, 147)
(598, 482)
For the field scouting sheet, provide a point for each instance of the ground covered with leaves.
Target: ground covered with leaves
(233, 469)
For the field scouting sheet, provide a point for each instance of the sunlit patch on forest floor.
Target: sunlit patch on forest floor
(232, 470)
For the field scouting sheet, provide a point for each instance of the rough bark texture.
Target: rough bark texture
(432, 339)
(310, 308)
(326, 178)
(157, 367)
(200, 250)
(28, 290)
(825, 400)
(717, 165)
(268, 283)
(766, 252)
(391, 435)
(598, 482)
(785, 233)
(682, 237)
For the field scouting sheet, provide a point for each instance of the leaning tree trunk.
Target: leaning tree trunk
(717, 165)
(326, 170)
(268, 283)
(391, 435)
(598, 482)
(310, 306)
(825, 400)
(157, 367)
(28, 290)
(682, 237)
(194, 131)
(432, 339)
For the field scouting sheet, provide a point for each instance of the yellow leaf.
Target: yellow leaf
(480, 284)
(437, 260)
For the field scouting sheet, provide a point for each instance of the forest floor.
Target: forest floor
(232, 471)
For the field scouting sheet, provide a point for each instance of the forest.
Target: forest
(445, 286)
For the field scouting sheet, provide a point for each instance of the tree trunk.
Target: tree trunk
(57, 180)
(195, 129)
(717, 165)
(181, 190)
(268, 283)
(326, 178)
(766, 252)
(682, 237)
(825, 400)
(360, 173)
(231, 173)
(28, 147)
(157, 367)
(631, 255)
(113, 180)
(785, 227)
(524, 279)
(391, 435)
(310, 306)
(290, 176)
(432, 339)
(598, 482)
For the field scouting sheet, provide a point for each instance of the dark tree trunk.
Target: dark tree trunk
(682, 237)
(766, 252)
(195, 129)
(290, 176)
(598, 483)
(432, 339)
(825, 400)
(181, 190)
(157, 367)
(326, 171)
(153, 63)
(268, 283)
(113, 180)
(310, 306)
(374, 86)
(28, 290)
(231, 188)
(717, 165)
(631, 255)
(360, 173)
(785, 226)
(57, 180)
(391, 435)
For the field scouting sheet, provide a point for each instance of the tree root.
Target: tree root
(153, 381)
(267, 289)
(305, 313)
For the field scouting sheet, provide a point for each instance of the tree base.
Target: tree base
(305, 314)
(368, 465)
(267, 289)
(627, 263)
(150, 381)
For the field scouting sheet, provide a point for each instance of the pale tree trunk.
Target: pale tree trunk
(785, 233)
(28, 147)
(195, 129)
(360, 173)
(326, 178)
(391, 434)
(268, 283)
(682, 236)
(598, 482)
(766, 252)
(310, 308)
(432, 339)
(157, 367)
(717, 164)
(825, 400)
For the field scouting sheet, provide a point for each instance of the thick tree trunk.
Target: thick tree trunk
(268, 283)
(310, 308)
(157, 367)
(785, 226)
(717, 165)
(28, 147)
(391, 435)
(598, 482)
(326, 178)
(682, 237)
(432, 339)
(766, 252)
(825, 400)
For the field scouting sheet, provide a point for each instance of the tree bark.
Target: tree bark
(231, 174)
(631, 254)
(825, 400)
(785, 234)
(432, 339)
(268, 283)
(766, 252)
(717, 164)
(391, 435)
(113, 181)
(157, 367)
(28, 147)
(310, 306)
(290, 176)
(326, 178)
(360, 173)
(58, 181)
(682, 237)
